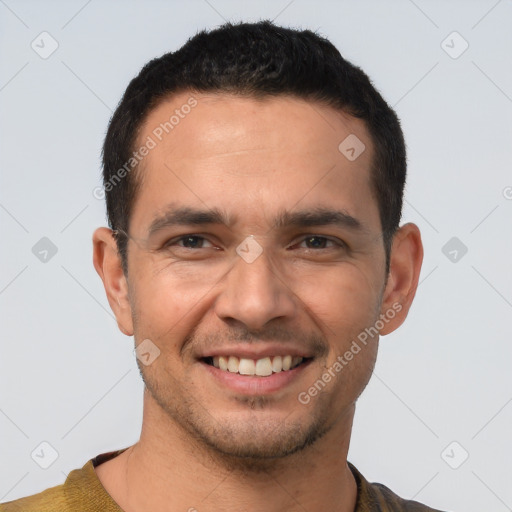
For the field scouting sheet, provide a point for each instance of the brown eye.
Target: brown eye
(316, 242)
(192, 242)
(320, 242)
(188, 242)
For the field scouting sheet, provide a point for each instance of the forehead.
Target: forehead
(227, 150)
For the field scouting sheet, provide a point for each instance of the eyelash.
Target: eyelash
(336, 242)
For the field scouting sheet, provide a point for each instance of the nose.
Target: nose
(255, 293)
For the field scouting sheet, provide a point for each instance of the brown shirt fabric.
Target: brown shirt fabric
(83, 492)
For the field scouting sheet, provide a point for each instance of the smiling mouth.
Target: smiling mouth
(263, 367)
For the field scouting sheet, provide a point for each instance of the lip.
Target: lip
(256, 351)
(253, 385)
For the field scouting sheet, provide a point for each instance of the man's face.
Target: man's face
(304, 287)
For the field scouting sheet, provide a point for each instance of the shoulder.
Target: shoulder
(81, 492)
(50, 500)
(375, 497)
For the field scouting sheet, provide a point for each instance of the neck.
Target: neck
(169, 470)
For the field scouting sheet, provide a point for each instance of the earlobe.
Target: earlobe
(107, 263)
(405, 265)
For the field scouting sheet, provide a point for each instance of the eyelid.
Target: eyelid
(174, 240)
(333, 239)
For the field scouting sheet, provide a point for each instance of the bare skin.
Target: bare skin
(217, 445)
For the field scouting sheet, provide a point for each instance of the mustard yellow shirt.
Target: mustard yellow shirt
(83, 492)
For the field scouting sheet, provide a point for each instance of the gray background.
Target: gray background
(68, 376)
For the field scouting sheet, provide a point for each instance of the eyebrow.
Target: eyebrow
(319, 216)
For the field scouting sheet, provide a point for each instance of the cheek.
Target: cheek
(344, 304)
(343, 298)
(168, 305)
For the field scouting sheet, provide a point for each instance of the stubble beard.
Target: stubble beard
(249, 445)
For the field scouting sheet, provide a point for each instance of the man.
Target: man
(254, 183)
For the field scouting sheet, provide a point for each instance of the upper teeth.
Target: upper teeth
(261, 367)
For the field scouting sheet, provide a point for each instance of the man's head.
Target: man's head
(252, 236)
(255, 60)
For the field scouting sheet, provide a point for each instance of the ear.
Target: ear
(404, 272)
(107, 263)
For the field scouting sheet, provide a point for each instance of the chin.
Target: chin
(255, 446)
(253, 435)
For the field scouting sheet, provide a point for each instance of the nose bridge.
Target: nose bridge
(254, 292)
